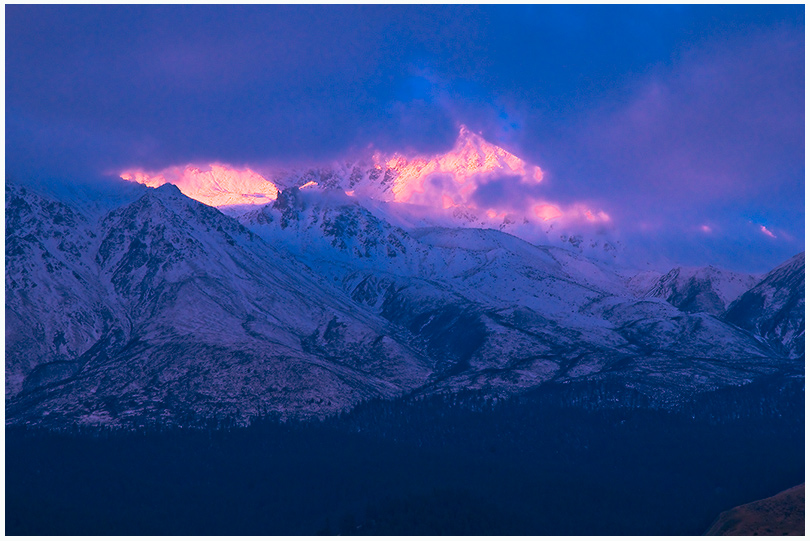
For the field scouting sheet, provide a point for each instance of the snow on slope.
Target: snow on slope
(212, 322)
(539, 313)
(338, 236)
(55, 308)
(217, 186)
(314, 303)
(703, 289)
(410, 191)
(774, 308)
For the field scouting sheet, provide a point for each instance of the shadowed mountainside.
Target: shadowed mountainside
(165, 309)
(782, 514)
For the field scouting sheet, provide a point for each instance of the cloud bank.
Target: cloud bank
(664, 118)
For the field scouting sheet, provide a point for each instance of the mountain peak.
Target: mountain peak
(474, 184)
(168, 189)
(774, 308)
(701, 289)
(217, 185)
(416, 177)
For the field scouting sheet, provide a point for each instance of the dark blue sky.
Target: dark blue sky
(685, 123)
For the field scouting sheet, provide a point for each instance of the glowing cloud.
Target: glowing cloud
(766, 231)
(478, 176)
(475, 180)
(547, 212)
(470, 158)
(448, 202)
(217, 186)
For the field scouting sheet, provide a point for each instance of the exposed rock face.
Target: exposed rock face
(782, 514)
(774, 308)
(443, 189)
(705, 289)
(166, 310)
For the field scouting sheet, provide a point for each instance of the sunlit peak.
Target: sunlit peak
(474, 180)
(217, 186)
(466, 164)
(453, 179)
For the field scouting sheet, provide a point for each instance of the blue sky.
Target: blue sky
(685, 123)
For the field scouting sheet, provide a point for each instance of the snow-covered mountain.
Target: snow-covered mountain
(167, 310)
(456, 188)
(774, 308)
(55, 308)
(702, 289)
(187, 313)
(217, 187)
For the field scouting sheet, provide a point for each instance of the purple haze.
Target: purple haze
(685, 123)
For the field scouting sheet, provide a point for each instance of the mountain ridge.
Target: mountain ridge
(312, 304)
(774, 308)
(448, 189)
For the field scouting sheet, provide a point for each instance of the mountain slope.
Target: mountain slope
(174, 312)
(55, 307)
(774, 308)
(453, 189)
(706, 289)
(214, 322)
(782, 514)
(523, 314)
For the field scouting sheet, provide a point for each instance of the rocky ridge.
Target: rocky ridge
(166, 310)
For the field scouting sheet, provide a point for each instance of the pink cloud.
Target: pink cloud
(482, 178)
(766, 231)
(216, 185)
(474, 178)
(547, 212)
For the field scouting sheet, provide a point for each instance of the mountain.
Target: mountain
(167, 310)
(774, 308)
(543, 313)
(704, 289)
(217, 187)
(782, 514)
(463, 186)
(55, 308)
(187, 313)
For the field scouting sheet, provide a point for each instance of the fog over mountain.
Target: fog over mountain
(474, 184)
(677, 130)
